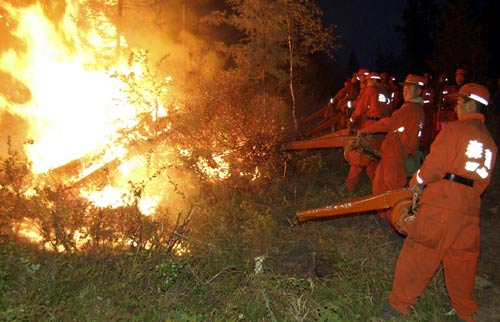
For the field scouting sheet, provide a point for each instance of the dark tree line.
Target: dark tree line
(457, 33)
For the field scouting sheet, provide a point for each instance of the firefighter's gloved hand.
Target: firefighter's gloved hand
(417, 189)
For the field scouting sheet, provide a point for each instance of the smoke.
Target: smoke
(172, 33)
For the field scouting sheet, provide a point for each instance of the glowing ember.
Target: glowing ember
(29, 229)
(220, 172)
(180, 250)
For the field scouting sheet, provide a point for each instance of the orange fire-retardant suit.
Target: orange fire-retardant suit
(396, 95)
(446, 112)
(428, 94)
(446, 109)
(341, 100)
(405, 122)
(372, 106)
(446, 229)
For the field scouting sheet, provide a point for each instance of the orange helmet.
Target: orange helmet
(474, 91)
(414, 80)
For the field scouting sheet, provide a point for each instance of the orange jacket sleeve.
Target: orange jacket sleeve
(403, 127)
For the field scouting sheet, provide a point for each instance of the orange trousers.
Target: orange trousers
(439, 236)
(355, 171)
(355, 159)
(389, 175)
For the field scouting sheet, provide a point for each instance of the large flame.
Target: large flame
(75, 108)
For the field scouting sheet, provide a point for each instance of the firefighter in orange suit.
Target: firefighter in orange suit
(446, 230)
(396, 94)
(428, 94)
(403, 129)
(374, 104)
(371, 107)
(344, 98)
(446, 112)
(362, 77)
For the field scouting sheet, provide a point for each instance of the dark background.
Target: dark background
(365, 26)
(417, 36)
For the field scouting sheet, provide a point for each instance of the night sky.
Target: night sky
(364, 25)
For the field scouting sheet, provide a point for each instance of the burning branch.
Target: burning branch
(178, 231)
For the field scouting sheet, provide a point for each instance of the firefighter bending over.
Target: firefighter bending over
(446, 231)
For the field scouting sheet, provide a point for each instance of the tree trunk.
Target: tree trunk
(118, 30)
(292, 93)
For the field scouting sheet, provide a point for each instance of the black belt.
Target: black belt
(459, 179)
(373, 118)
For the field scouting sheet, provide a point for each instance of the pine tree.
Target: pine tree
(491, 21)
(352, 64)
(419, 22)
(460, 39)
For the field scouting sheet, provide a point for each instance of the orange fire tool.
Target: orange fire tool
(357, 149)
(325, 124)
(338, 139)
(316, 115)
(403, 204)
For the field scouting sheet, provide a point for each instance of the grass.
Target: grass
(336, 270)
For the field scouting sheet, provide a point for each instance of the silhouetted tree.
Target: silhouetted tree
(386, 62)
(491, 21)
(417, 30)
(460, 39)
(352, 64)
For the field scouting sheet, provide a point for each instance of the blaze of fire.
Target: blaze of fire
(73, 110)
(76, 107)
(220, 172)
(28, 229)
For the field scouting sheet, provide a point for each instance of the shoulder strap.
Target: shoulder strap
(402, 145)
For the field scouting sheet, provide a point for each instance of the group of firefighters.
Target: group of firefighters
(448, 122)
